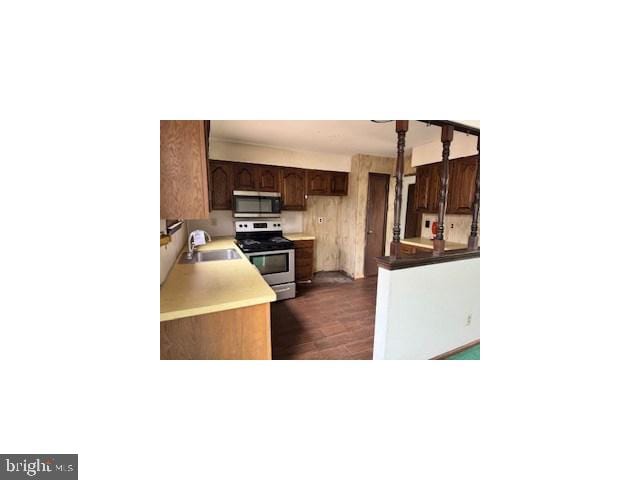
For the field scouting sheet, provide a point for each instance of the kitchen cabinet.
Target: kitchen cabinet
(292, 189)
(462, 185)
(304, 260)
(245, 176)
(318, 182)
(253, 177)
(184, 190)
(412, 250)
(339, 183)
(268, 178)
(220, 185)
(294, 184)
(427, 189)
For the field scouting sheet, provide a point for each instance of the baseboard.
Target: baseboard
(445, 355)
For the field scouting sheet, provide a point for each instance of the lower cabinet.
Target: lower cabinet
(304, 260)
(411, 250)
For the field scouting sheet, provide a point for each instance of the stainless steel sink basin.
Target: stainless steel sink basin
(210, 256)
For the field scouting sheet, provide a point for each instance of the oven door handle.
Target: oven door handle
(283, 290)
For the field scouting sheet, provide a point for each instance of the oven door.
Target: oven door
(276, 266)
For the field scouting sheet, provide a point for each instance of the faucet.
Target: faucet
(190, 241)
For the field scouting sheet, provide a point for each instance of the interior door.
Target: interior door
(377, 196)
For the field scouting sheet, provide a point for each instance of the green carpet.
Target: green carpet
(472, 353)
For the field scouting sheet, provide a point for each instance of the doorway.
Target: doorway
(376, 222)
(413, 218)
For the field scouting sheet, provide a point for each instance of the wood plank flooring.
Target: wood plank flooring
(326, 322)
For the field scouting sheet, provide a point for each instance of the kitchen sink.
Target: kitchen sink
(210, 256)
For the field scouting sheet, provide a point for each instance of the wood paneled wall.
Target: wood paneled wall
(353, 211)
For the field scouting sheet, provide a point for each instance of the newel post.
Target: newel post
(447, 137)
(473, 236)
(401, 130)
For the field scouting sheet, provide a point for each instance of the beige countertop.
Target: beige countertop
(298, 236)
(423, 242)
(206, 287)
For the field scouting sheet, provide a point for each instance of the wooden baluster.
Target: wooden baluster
(473, 236)
(401, 129)
(447, 137)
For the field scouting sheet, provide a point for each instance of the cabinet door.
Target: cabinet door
(184, 190)
(304, 260)
(462, 185)
(433, 187)
(317, 182)
(339, 183)
(244, 177)
(292, 189)
(268, 178)
(220, 185)
(427, 188)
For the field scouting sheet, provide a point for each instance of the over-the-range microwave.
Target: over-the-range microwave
(256, 204)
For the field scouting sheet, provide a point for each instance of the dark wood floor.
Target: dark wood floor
(326, 322)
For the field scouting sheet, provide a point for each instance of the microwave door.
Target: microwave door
(270, 206)
(244, 205)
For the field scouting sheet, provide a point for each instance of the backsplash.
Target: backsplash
(170, 251)
(460, 231)
(220, 223)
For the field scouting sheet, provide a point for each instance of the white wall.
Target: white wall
(462, 145)
(169, 253)
(425, 311)
(242, 152)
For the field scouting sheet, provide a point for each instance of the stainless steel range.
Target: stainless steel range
(272, 254)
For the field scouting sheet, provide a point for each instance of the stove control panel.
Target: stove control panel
(258, 225)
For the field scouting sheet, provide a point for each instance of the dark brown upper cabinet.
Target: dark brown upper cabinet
(318, 182)
(245, 176)
(427, 188)
(462, 184)
(294, 184)
(339, 183)
(268, 178)
(220, 185)
(292, 189)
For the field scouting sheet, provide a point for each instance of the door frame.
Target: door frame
(366, 218)
(407, 180)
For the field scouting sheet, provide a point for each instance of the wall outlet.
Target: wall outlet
(427, 223)
(320, 219)
(452, 225)
(468, 320)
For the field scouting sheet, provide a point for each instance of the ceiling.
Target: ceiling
(330, 136)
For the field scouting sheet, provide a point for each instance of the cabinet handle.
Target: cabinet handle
(369, 232)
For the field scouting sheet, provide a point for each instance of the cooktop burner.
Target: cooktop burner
(264, 244)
